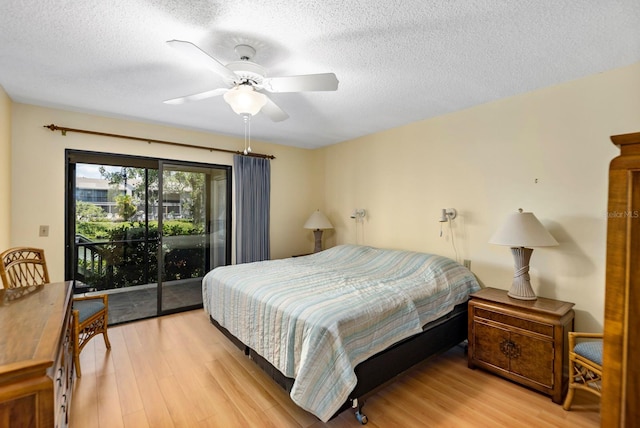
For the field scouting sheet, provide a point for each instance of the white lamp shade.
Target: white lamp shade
(317, 220)
(243, 99)
(522, 229)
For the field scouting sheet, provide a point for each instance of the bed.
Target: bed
(325, 325)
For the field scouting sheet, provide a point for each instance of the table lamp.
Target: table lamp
(318, 221)
(521, 230)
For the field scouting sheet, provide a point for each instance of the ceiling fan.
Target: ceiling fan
(247, 82)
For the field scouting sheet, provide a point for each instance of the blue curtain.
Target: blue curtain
(253, 188)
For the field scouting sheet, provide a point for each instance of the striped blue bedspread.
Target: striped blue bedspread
(316, 317)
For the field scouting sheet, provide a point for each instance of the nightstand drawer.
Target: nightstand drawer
(524, 324)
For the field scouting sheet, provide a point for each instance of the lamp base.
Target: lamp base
(521, 287)
(318, 235)
(519, 295)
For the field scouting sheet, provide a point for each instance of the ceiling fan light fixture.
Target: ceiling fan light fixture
(244, 99)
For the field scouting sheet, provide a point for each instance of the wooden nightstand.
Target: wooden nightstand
(522, 340)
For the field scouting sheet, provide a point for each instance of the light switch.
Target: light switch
(44, 230)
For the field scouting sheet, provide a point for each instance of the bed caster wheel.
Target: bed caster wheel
(362, 418)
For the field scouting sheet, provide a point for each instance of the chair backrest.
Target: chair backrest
(22, 267)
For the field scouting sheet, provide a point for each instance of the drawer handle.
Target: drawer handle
(509, 348)
(515, 350)
(504, 347)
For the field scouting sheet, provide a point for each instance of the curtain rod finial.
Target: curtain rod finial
(53, 127)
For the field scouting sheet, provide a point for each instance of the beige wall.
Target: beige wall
(5, 170)
(38, 176)
(546, 151)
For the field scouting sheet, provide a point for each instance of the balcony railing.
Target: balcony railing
(91, 260)
(115, 264)
(126, 263)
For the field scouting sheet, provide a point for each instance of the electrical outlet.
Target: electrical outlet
(44, 230)
(467, 263)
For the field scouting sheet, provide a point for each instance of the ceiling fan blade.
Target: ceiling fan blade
(273, 112)
(198, 56)
(303, 83)
(197, 97)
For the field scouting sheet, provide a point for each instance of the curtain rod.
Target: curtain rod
(63, 130)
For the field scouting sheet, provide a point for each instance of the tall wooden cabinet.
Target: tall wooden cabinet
(36, 356)
(621, 372)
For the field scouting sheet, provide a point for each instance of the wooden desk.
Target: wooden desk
(36, 355)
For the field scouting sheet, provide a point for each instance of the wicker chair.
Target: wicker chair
(25, 267)
(585, 364)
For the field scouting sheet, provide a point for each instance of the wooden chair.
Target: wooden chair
(25, 267)
(585, 364)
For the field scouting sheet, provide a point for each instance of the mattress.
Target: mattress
(315, 318)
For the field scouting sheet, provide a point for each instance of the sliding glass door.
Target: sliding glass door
(193, 219)
(145, 231)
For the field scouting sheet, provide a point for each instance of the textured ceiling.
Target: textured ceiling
(397, 61)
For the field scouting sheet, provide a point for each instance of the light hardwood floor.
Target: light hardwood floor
(179, 371)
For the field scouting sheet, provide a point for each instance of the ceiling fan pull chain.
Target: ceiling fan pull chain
(244, 117)
(249, 138)
(247, 133)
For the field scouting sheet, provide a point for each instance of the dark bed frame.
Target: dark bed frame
(437, 337)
